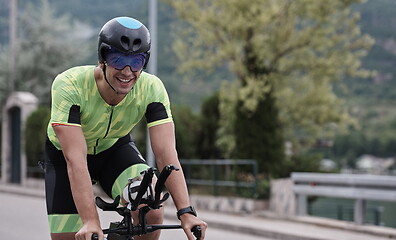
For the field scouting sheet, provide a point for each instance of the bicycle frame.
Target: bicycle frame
(126, 230)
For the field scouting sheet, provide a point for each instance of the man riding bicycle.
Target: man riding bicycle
(94, 108)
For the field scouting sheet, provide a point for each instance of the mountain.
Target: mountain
(372, 100)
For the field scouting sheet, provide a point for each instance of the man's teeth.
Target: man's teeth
(125, 80)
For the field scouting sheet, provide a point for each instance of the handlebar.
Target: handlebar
(126, 227)
(196, 230)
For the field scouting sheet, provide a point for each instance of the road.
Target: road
(23, 217)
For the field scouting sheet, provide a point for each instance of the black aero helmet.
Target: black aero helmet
(126, 35)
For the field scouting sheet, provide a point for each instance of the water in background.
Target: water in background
(377, 213)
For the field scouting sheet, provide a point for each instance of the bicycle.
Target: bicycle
(125, 229)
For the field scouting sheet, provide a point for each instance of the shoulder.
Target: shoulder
(150, 82)
(72, 84)
(73, 75)
(147, 77)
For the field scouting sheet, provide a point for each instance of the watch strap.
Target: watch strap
(188, 209)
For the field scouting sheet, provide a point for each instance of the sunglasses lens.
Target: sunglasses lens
(119, 61)
(137, 62)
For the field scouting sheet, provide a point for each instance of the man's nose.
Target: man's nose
(127, 70)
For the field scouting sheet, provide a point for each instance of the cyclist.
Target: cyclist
(94, 108)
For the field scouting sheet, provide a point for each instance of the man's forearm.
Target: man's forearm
(82, 190)
(164, 148)
(178, 189)
(176, 184)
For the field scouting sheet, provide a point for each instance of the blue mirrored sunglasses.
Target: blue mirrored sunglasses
(120, 60)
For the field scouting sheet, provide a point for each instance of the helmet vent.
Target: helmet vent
(125, 42)
(136, 44)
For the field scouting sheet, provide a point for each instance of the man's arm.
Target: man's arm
(164, 147)
(74, 149)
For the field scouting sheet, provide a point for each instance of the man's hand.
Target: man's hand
(189, 221)
(88, 229)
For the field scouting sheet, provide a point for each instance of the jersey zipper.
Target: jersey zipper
(108, 126)
(107, 130)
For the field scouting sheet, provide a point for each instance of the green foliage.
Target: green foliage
(4, 16)
(311, 49)
(259, 136)
(349, 147)
(209, 122)
(187, 129)
(47, 45)
(263, 189)
(139, 133)
(306, 162)
(35, 135)
(372, 100)
(288, 53)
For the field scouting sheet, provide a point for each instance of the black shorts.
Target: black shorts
(110, 168)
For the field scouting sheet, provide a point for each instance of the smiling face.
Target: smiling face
(122, 80)
(123, 69)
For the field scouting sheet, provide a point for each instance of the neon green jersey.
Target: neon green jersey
(76, 101)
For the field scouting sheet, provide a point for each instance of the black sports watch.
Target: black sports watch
(188, 209)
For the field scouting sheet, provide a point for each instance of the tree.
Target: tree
(47, 44)
(286, 55)
(209, 122)
(186, 130)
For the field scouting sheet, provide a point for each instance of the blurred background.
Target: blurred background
(281, 86)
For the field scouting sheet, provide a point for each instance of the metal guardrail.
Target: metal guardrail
(358, 187)
(214, 180)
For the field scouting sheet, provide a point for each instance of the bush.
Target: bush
(187, 129)
(35, 135)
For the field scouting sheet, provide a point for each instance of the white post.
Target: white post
(302, 205)
(152, 67)
(13, 38)
(360, 211)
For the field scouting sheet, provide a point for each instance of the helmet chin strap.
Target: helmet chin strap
(104, 73)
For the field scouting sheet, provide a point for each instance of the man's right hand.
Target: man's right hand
(89, 228)
(189, 221)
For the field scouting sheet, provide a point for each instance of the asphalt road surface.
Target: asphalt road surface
(24, 218)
